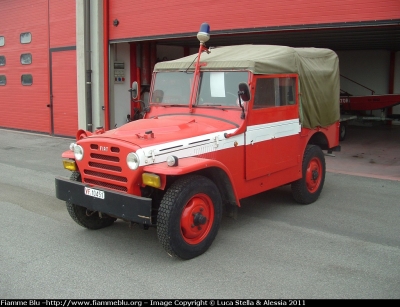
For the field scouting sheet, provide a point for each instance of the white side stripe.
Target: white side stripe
(265, 132)
(216, 141)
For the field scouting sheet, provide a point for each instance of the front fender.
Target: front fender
(190, 165)
(69, 154)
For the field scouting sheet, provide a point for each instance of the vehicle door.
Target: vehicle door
(272, 136)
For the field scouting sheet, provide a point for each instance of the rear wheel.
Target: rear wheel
(84, 217)
(307, 189)
(189, 216)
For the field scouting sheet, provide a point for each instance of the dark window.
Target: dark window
(274, 92)
(25, 38)
(26, 58)
(2, 60)
(3, 80)
(2, 41)
(26, 79)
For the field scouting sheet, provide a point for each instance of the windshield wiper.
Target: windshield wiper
(173, 105)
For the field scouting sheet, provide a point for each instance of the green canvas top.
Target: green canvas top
(318, 71)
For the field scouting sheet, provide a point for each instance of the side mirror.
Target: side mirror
(134, 90)
(244, 91)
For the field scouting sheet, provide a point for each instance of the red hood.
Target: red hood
(167, 129)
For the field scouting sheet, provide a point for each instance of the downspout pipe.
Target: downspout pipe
(106, 55)
(88, 68)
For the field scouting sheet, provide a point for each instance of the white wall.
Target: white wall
(96, 42)
(120, 104)
(370, 68)
(80, 67)
(97, 63)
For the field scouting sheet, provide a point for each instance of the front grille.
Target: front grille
(104, 169)
(107, 176)
(106, 185)
(104, 157)
(106, 166)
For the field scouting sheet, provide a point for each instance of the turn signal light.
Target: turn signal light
(151, 180)
(70, 165)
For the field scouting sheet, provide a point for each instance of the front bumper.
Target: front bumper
(125, 206)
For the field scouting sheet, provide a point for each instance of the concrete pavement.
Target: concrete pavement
(369, 152)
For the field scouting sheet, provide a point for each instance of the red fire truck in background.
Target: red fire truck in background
(222, 125)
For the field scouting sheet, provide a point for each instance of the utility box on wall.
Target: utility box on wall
(119, 72)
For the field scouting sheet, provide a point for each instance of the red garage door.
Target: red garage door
(64, 92)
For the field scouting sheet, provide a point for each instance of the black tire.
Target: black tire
(307, 189)
(189, 216)
(83, 217)
(342, 131)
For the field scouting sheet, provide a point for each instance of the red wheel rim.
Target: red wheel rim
(197, 219)
(314, 175)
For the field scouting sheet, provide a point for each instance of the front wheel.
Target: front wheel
(84, 217)
(307, 189)
(189, 216)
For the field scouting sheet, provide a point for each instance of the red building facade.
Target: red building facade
(39, 67)
(175, 18)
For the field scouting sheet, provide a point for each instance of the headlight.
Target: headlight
(132, 160)
(71, 146)
(78, 151)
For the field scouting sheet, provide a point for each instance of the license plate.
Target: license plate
(94, 193)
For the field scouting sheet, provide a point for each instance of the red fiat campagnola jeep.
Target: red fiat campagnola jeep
(220, 126)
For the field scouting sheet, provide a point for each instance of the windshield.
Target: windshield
(215, 89)
(172, 88)
(220, 88)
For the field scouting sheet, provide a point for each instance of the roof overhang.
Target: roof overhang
(371, 35)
